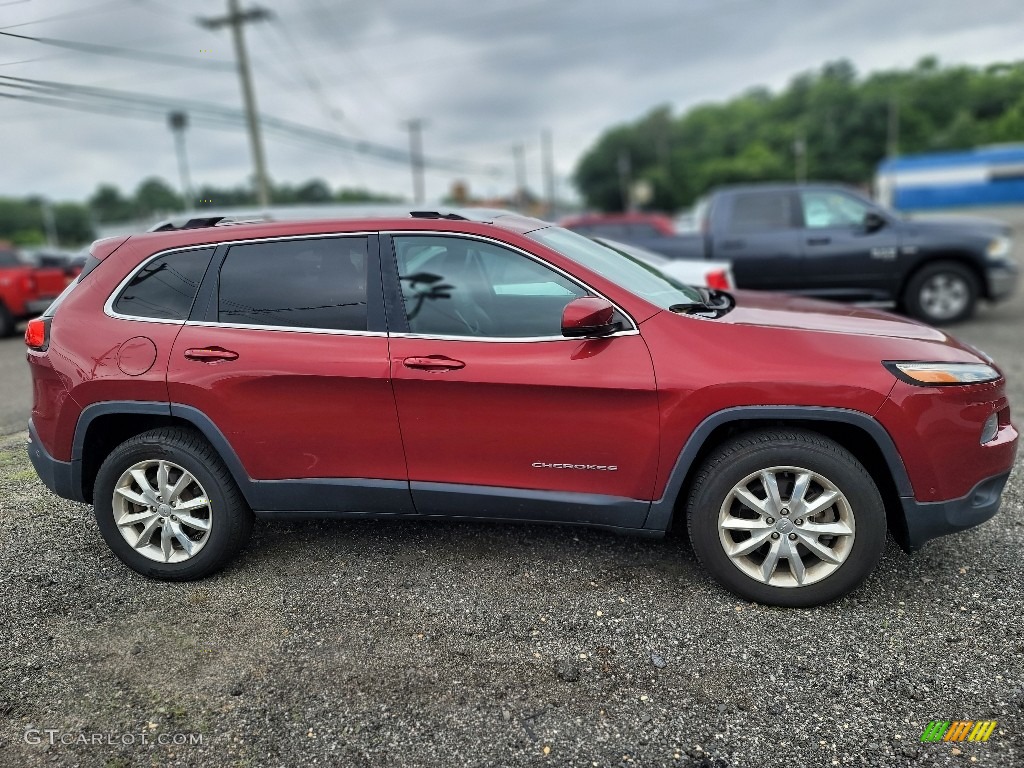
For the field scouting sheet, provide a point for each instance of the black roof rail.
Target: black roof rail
(437, 215)
(199, 223)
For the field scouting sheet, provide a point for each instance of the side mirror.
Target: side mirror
(874, 221)
(589, 316)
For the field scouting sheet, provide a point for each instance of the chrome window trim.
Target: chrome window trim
(577, 339)
(286, 328)
(108, 305)
(635, 330)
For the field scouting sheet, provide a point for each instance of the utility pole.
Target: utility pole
(519, 158)
(548, 167)
(49, 223)
(179, 122)
(235, 19)
(625, 166)
(893, 133)
(800, 154)
(415, 128)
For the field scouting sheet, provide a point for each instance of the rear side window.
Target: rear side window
(761, 212)
(312, 283)
(165, 288)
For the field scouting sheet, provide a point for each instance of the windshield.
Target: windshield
(632, 274)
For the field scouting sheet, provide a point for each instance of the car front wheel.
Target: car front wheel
(786, 517)
(168, 507)
(945, 292)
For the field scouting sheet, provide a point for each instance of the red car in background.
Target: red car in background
(434, 366)
(25, 291)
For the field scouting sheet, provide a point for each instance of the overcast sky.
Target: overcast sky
(484, 76)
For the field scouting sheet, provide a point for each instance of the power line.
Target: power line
(127, 53)
(57, 93)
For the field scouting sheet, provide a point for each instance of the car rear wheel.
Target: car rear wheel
(786, 517)
(168, 507)
(944, 292)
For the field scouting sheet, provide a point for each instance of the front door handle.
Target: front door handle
(819, 240)
(210, 354)
(734, 243)
(436, 363)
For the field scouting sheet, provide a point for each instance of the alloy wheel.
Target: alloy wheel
(786, 526)
(162, 511)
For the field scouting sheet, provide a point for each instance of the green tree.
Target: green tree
(844, 120)
(155, 196)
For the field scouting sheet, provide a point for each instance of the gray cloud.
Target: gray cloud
(485, 76)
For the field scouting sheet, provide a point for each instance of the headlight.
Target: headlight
(937, 374)
(999, 247)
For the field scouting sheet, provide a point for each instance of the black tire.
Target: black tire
(735, 460)
(951, 273)
(230, 519)
(8, 326)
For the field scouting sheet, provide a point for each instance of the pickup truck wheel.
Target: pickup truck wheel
(944, 292)
(786, 517)
(7, 324)
(168, 507)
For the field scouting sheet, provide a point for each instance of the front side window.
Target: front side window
(832, 209)
(310, 283)
(459, 287)
(165, 288)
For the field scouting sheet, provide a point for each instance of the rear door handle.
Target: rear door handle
(210, 354)
(436, 363)
(734, 243)
(819, 240)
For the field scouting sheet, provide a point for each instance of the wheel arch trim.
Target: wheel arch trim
(660, 515)
(193, 416)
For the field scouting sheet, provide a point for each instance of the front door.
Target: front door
(844, 259)
(501, 416)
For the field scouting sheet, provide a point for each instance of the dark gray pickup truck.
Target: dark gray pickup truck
(830, 242)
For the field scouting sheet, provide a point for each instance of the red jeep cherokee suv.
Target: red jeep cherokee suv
(437, 366)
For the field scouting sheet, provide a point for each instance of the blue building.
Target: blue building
(991, 175)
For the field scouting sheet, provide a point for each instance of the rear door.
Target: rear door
(287, 354)
(758, 231)
(842, 258)
(501, 416)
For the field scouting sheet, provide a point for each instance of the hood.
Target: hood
(780, 311)
(961, 224)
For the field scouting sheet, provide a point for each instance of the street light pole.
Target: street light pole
(235, 19)
(415, 128)
(179, 122)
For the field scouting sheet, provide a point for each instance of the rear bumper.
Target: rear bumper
(56, 475)
(929, 520)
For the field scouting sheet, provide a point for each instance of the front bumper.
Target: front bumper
(929, 520)
(56, 475)
(1002, 280)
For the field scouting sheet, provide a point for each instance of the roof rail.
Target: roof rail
(203, 222)
(437, 215)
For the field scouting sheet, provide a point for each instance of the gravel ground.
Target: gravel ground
(425, 644)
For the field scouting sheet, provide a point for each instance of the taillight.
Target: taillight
(37, 334)
(718, 279)
(28, 284)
